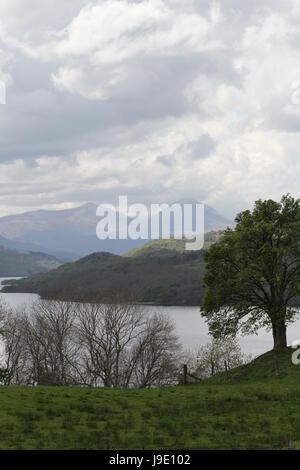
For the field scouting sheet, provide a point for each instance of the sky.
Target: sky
(159, 100)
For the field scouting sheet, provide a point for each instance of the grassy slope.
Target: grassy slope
(172, 244)
(254, 408)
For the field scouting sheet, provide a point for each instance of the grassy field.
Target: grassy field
(253, 407)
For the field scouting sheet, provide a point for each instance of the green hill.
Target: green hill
(172, 244)
(162, 277)
(254, 407)
(271, 365)
(13, 263)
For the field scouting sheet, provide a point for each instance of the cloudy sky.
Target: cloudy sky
(156, 99)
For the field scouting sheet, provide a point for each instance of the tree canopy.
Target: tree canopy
(253, 273)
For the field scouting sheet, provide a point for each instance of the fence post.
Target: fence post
(185, 374)
(289, 442)
(276, 363)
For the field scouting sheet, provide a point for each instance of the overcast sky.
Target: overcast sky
(156, 99)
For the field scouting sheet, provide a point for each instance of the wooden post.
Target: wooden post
(276, 363)
(185, 374)
(226, 368)
(289, 442)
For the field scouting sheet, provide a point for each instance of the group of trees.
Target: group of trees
(216, 356)
(63, 343)
(111, 345)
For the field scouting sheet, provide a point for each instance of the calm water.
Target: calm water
(191, 328)
(17, 300)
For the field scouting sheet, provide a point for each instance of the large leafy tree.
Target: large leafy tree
(253, 273)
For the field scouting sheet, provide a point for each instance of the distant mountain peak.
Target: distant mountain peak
(71, 233)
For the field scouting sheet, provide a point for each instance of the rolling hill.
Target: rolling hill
(13, 263)
(166, 277)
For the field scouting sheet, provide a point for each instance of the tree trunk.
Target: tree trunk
(279, 335)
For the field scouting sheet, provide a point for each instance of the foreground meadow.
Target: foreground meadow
(253, 407)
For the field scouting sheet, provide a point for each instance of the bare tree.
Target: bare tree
(14, 362)
(12, 365)
(51, 352)
(125, 347)
(62, 343)
(107, 333)
(158, 354)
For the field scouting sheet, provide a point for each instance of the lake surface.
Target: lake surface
(17, 300)
(191, 327)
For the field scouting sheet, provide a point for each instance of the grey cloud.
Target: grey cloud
(202, 147)
(148, 115)
(40, 120)
(166, 160)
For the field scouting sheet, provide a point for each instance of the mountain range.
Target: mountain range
(70, 234)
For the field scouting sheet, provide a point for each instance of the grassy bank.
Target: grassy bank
(254, 407)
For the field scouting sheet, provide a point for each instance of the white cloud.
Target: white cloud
(113, 30)
(110, 34)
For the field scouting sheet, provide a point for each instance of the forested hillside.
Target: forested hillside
(164, 277)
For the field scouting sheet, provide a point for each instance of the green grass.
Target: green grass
(253, 407)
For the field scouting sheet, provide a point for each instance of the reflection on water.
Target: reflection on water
(191, 327)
